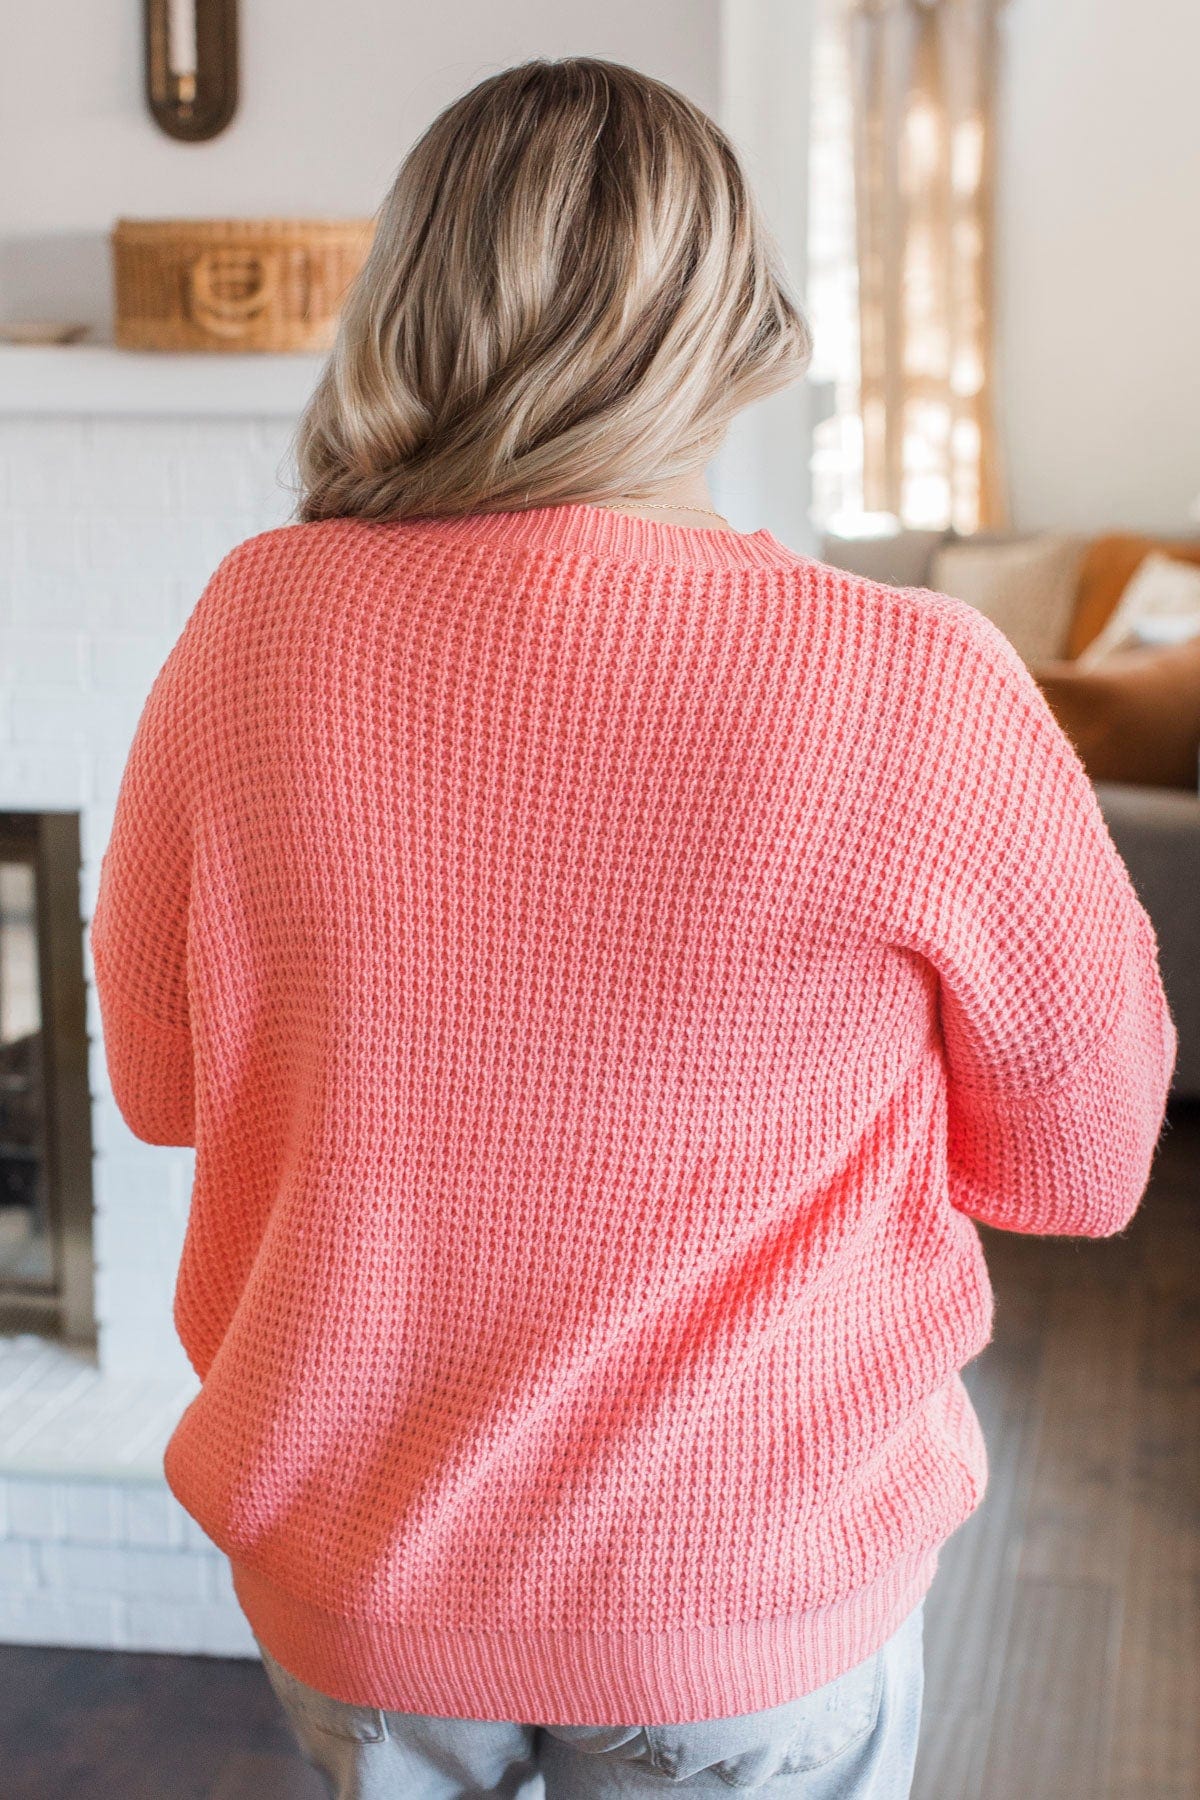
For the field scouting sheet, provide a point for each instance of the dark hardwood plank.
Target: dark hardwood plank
(972, 1592)
(247, 1776)
(1156, 1744)
(949, 1756)
(1156, 1721)
(1090, 1404)
(1051, 1729)
(98, 1725)
(1077, 1520)
(969, 1605)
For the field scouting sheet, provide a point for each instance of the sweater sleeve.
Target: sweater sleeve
(139, 929)
(1059, 1045)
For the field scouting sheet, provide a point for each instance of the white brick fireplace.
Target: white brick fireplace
(124, 478)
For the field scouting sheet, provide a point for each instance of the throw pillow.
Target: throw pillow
(1135, 717)
(1027, 587)
(1108, 567)
(1160, 605)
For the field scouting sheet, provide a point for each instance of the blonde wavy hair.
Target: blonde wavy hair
(569, 293)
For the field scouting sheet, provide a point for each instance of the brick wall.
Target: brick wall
(112, 527)
(111, 1565)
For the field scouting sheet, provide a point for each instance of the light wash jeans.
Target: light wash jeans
(853, 1739)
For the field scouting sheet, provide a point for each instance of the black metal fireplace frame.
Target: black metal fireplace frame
(63, 1306)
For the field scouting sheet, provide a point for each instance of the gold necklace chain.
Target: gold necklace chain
(657, 506)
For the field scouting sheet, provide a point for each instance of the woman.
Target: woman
(604, 962)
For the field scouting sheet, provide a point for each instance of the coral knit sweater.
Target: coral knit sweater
(604, 967)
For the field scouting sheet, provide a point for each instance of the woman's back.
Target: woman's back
(601, 965)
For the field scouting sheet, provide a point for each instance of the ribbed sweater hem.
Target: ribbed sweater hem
(565, 1677)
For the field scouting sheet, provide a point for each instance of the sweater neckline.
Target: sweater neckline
(576, 525)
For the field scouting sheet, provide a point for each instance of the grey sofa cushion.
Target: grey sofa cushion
(901, 559)
(1157, 831)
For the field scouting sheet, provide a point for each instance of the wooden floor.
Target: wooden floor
(1063, 1643)
(1063, 1630)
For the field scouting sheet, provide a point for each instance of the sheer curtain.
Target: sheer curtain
(916, 117)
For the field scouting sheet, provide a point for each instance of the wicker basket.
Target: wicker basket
(233, 284)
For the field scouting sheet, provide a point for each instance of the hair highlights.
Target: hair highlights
(569, 294)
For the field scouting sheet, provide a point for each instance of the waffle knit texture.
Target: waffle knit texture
(604, 968)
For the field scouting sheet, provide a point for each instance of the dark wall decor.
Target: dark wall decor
(191, 52)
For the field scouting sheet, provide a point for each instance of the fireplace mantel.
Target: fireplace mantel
(75, 379)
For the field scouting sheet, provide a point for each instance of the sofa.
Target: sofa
(1154, 824)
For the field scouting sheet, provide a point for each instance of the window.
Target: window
(898, 294)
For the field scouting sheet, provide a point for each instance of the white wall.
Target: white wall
(762, 476)
(1098, 262)
(332, 97)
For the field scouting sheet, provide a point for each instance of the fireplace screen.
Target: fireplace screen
(45, 1134)
(26, 1251)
